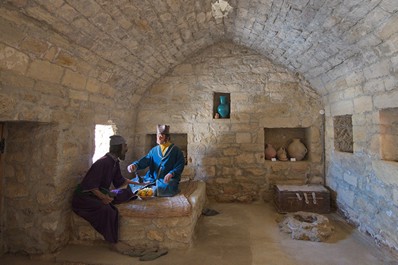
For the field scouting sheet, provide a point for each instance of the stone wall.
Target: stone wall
(34, 210)
(365, 185)
(229, 153)
(54, 92)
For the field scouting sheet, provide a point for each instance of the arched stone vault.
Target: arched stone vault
(143, 40)
(72, 64)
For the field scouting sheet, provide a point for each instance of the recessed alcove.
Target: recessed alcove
(343, 134)
(216, 103)
(282, 137)
(179, 139)
(389, 134)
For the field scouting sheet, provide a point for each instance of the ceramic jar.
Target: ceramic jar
(270, 152)
(297, 149)
(281, 154)
(223, 108)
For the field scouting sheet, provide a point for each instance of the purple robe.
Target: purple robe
(103, 217)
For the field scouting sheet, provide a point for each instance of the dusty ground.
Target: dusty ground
(241, 234)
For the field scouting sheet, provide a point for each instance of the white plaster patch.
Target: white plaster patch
(11, 58)
(220, 9)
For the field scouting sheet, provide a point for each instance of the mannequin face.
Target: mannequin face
(161, 138)
(123, 152)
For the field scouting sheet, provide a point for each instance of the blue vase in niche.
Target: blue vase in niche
(223, 108)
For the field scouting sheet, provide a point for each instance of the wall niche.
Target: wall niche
(179, 139)
(224, 111)
(389, 134)
(343, 135)
(282, 137)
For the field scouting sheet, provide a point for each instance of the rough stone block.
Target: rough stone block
(347, 197)
(243, 138)
(377, 70)
(342, 107)
(79, 95)
(12, 79)
(386, 171)
(350, 179)
(66, 60)
(10, 34)
(395, 197)
(101, 100)
(45, 87)
(363, 104)
(387, 100)
(74, 80)
(11, 59)
(230, 151)
(33, 45)
(46, 71)
(389, 28)
(88, 9)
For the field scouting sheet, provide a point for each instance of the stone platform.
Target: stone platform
(158, 222)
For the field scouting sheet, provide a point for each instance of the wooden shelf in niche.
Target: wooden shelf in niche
(179, 139)
(282, 137)
(216, 103)
(389, 134)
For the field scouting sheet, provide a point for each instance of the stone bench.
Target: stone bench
(157, 222)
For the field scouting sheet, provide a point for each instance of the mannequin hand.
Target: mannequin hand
(106, 199)
(131, 168)
(167, 178)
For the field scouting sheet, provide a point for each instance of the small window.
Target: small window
(343, 136)
(102, 133)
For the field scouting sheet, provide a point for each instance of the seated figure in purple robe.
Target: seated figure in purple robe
(94, 201)
(166, 163)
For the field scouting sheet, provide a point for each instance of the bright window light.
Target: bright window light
(102, 133)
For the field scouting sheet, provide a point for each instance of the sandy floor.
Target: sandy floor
(241, 234)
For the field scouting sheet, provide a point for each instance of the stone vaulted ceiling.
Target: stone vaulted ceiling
(143, 39)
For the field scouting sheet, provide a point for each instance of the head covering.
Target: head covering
(163, 129)
(116, 140)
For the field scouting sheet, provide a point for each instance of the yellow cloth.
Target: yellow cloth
(164, 147)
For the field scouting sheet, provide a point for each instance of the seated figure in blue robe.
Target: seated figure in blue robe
(166, 163)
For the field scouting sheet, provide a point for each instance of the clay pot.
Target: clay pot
(297, 149)
(281, 154)
(270, 152)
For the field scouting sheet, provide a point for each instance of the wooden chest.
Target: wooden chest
(307, 198)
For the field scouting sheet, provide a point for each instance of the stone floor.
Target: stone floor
(242, 234)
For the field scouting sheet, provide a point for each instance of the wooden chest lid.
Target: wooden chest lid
(305, 188)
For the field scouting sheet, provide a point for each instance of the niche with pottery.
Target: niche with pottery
(389, 134)
(280, 143)
(221, 105)
(179, 139)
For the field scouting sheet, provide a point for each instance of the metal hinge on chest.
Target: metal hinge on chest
(306, 197)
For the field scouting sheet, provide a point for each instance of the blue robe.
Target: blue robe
(103, 217)
(160, 165)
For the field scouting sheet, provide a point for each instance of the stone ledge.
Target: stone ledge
(147, 230)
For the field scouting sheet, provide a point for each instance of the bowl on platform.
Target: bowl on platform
(144, 198)
(145, 194)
